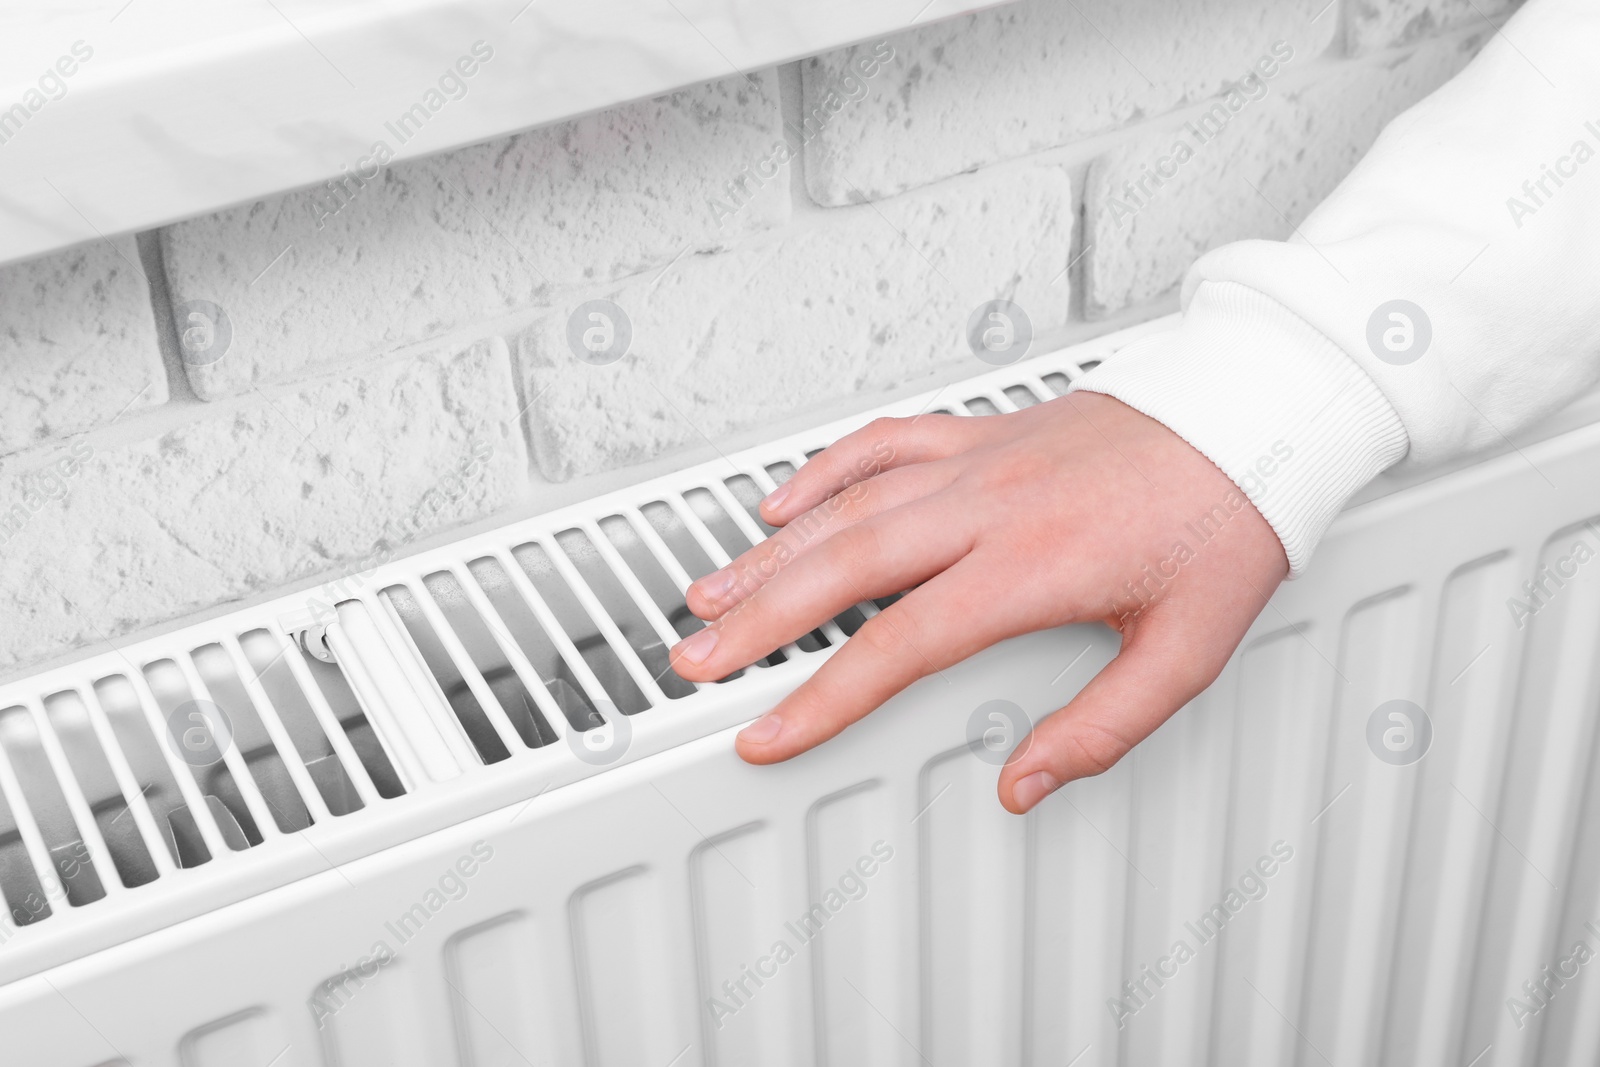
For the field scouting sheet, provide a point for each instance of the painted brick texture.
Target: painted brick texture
(429, 246)
(99, 542)
(878, 298)
(400, 364)
(77, 343)
(1029, 76)
(1378, 25)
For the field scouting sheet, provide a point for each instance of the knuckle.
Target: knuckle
(855, 503)
(1095, 749)
(1198, 679)
(881, 638)
(857, 550)
(816, 471)
(762, 567)
(884, 426)
(884, 436)
(748, 619)
(1020, 467)
(1193, 675)
(806, 528)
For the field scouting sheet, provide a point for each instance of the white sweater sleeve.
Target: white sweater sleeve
(1446, 295)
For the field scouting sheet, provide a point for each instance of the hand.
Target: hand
(1075, 510)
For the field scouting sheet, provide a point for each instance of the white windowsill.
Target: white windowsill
(187, 106)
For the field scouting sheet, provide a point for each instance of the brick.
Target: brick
(273, 489)
(432, 244)
(1028, 76)
(1378, 24)
(77, 343)
(867, 299)
(1138, 253)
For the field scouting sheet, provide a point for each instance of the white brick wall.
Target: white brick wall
(77, 343)
(280, 487)
(384, 340)
(431, 245)
(1375, 26)
(1033, 75)
(877, 297)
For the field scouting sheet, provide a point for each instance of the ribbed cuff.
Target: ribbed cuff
(1281, 409)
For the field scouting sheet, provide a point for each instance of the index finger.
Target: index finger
(932, 627)
(882, 445)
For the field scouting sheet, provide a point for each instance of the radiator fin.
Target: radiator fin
(974, 917)
(1280, 793)
(1079, 866)
(1550, 750)
(249, 1037)
(508, 1008)
(1361, 841)
(1448, 854)
(752, 977)
(370, 1015)
(628, 975)
(860, 968)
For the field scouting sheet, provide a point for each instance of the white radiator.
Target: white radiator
(467, 816)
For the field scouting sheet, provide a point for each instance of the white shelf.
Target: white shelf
(186, 106)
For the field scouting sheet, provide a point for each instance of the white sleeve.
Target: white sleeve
(1446, 295)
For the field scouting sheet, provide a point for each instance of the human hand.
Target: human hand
(1080, 509)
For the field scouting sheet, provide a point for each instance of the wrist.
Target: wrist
(1295, 423)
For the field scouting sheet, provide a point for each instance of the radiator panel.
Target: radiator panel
(869, 902)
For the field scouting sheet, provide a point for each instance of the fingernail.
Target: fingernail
(1034, 788)
(715, 585)
(776, 497)
(695, 649)
(762, 730)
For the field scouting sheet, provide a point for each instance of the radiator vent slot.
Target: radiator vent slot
(1057, 383)
(206, 748)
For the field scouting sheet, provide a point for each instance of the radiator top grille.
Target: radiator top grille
(217, 751)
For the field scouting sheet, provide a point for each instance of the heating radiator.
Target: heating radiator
(456, 810)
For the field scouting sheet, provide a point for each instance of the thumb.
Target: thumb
(1161, 667)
